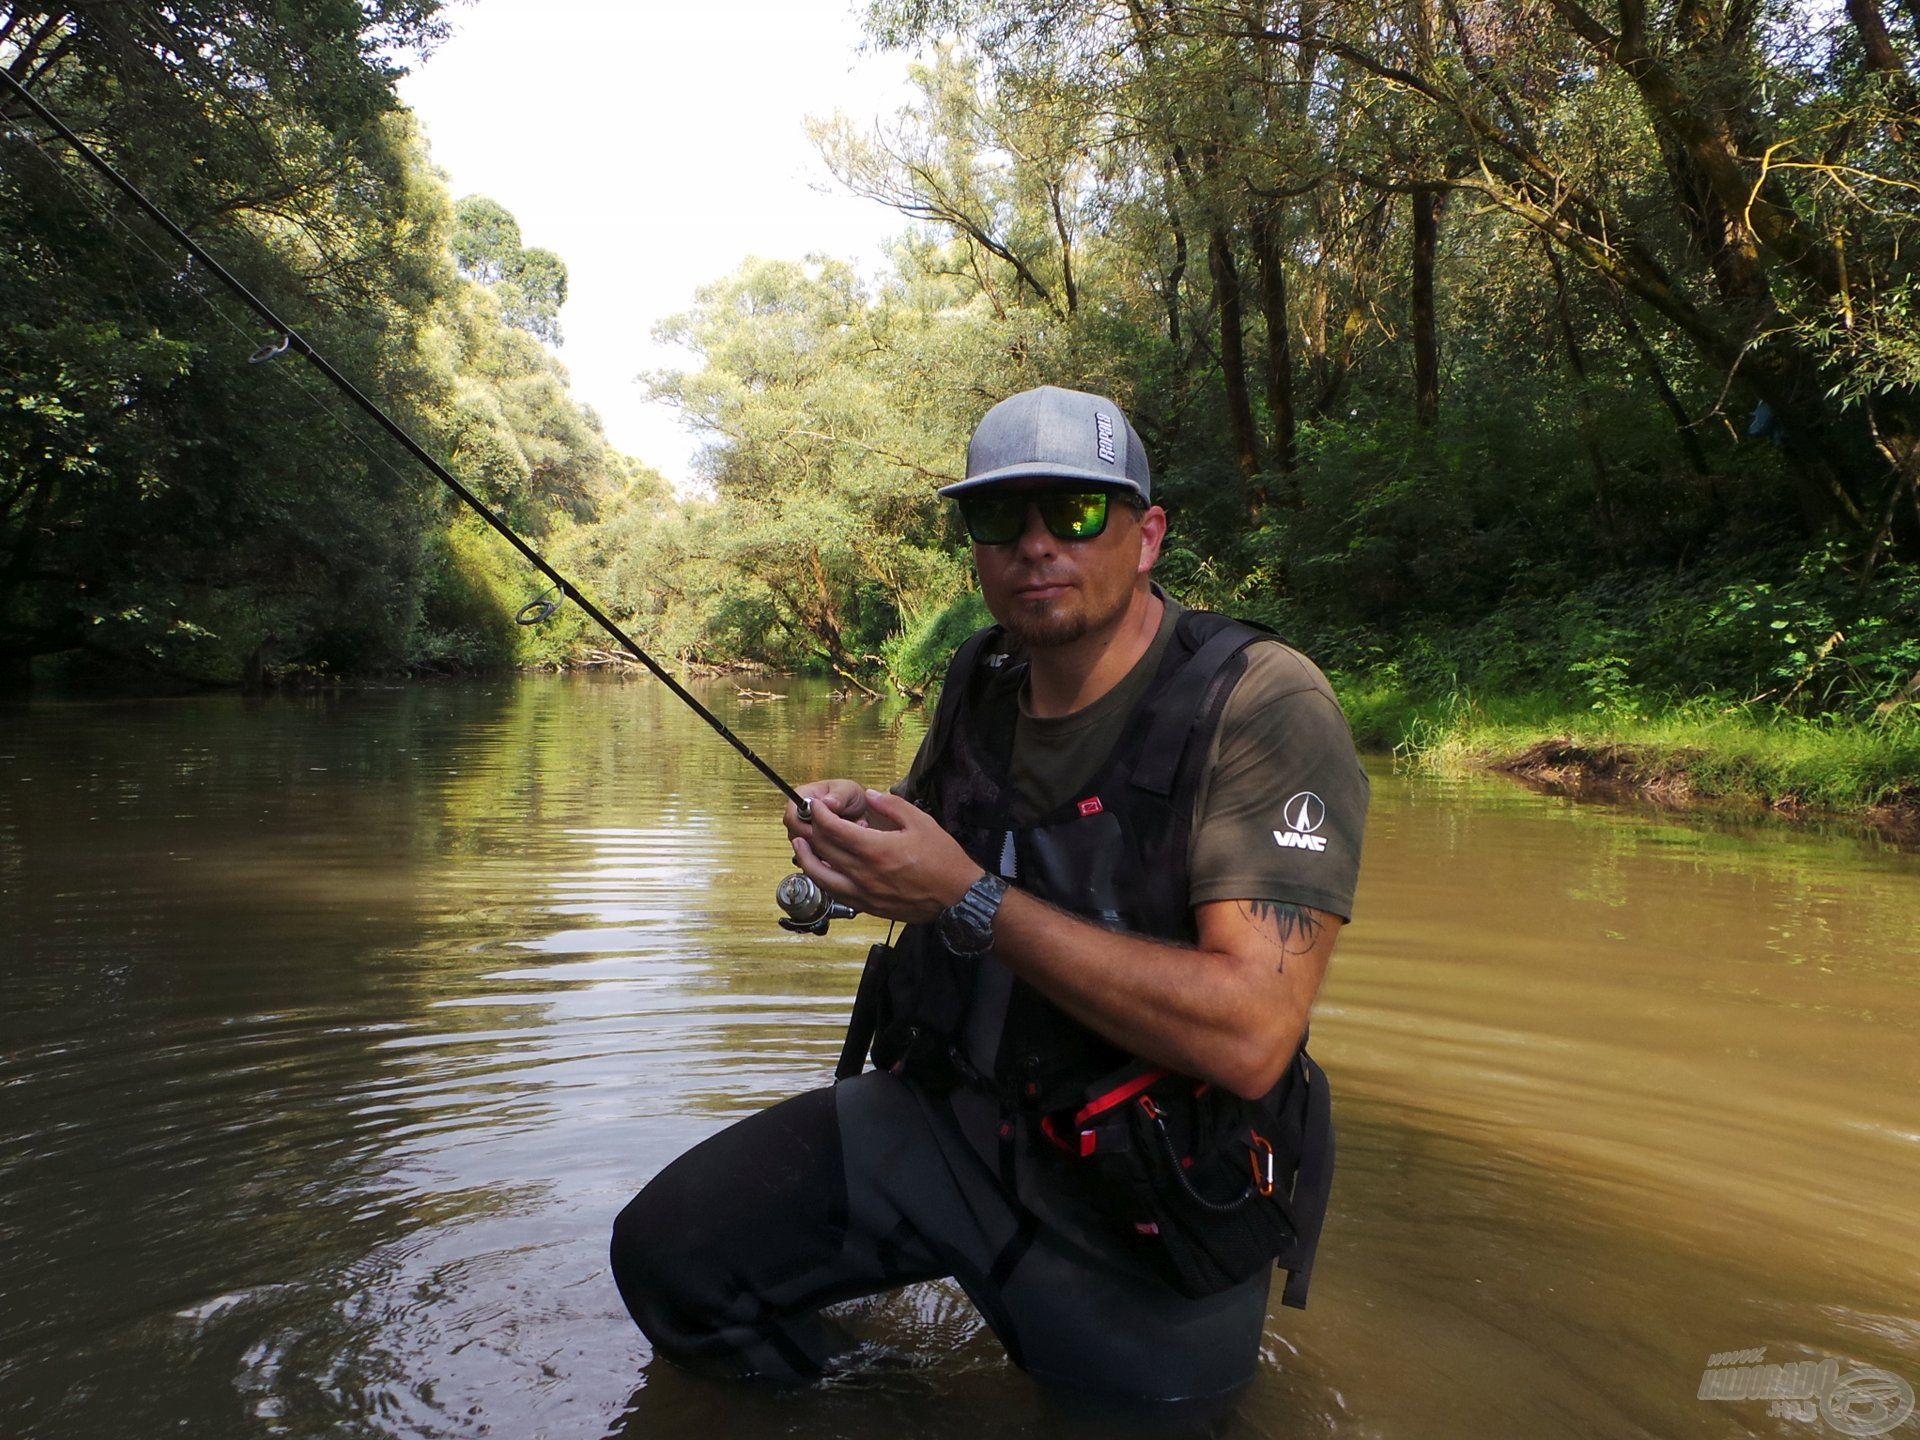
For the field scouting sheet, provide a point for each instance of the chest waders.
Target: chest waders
(1207, 1188)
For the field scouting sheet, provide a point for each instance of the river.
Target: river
(335, 1029)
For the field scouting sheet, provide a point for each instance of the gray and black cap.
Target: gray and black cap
(1055, 434)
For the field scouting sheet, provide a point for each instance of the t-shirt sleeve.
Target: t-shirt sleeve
(1283, 805)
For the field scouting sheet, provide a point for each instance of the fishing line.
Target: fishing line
(291, 339)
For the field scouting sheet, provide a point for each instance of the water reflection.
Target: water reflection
(337, 1029)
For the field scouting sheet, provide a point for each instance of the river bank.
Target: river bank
(1696, 753)
(1693, 753)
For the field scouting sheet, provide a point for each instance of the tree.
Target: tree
(823, 487)
(530, 284)
(167, 504)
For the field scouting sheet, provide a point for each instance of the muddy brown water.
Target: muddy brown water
(334, 1030)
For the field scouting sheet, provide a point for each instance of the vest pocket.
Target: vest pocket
(1193, 1179)
(920, 997)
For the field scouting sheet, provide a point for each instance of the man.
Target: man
(1091, 1102)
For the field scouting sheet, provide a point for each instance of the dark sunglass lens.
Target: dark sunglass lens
(993, 519)
(1075, 516)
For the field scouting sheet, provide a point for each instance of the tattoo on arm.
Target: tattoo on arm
(1289, 922)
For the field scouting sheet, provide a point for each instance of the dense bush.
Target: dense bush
(1813, 641)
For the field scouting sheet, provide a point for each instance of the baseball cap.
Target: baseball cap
(1054, 434)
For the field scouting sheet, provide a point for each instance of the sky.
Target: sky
(653, 147)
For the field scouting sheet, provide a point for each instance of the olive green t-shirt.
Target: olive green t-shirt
(1282, 801)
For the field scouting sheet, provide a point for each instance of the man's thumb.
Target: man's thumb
(885, 802)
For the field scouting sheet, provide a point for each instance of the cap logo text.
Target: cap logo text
(1103, 437)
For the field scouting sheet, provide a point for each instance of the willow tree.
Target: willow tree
(824, 487)
(166, 503)
(162, 501)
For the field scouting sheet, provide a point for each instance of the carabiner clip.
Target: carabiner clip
(1262, 1173)
(270, 350)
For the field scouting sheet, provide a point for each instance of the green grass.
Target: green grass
(1698, 748)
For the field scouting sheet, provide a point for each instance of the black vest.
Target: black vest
(1115, 854)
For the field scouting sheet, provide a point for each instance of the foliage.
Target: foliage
(1511, 350)
(466, 610)
(1813, 642)
(1701, 750)
(917, 657)
(1458, 362)
(165, 504)
(530, 284)
(822, 519)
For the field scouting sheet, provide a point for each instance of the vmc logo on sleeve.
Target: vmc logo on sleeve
(1304, 813)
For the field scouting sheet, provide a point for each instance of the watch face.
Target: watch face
(962, 932)
(967, 925)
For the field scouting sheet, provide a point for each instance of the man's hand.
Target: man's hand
(1230, 1008)
(880, 854)
(846, 798)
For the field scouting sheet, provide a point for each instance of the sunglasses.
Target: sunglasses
(1068, 514)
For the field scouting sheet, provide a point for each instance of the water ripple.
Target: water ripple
(338, 1028)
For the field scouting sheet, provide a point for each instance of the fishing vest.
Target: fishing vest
(1115, 854)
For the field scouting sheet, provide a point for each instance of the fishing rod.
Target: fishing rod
(808, 913)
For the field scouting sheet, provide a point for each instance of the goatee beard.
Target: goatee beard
(1046, 632)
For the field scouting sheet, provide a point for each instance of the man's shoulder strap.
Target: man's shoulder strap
(983, 647)
(1198, 626)
(990, 639)
(1211, 642)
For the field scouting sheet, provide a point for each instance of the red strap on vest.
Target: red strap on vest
(1116, 1096)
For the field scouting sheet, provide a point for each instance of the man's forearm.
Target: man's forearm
(1230, 1016)
(1230, 1009)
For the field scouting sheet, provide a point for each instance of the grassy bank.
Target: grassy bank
(1696, 751)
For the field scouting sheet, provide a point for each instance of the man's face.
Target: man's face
(1050, 592)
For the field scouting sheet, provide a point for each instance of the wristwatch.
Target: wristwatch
(966, 926)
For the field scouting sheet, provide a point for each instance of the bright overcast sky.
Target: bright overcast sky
(653, 146)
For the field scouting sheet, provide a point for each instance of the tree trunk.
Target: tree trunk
(1683, 423)
(1352, 256)
(1065, 233)
(1877, 45)
(1777, 370)
(1273, 301)
(1901, 455)
(1233, 355)
(1583, 397)
(1170, 286)
(1759, 217)
(1426, 356)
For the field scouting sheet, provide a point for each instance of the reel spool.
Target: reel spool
(809, 909)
